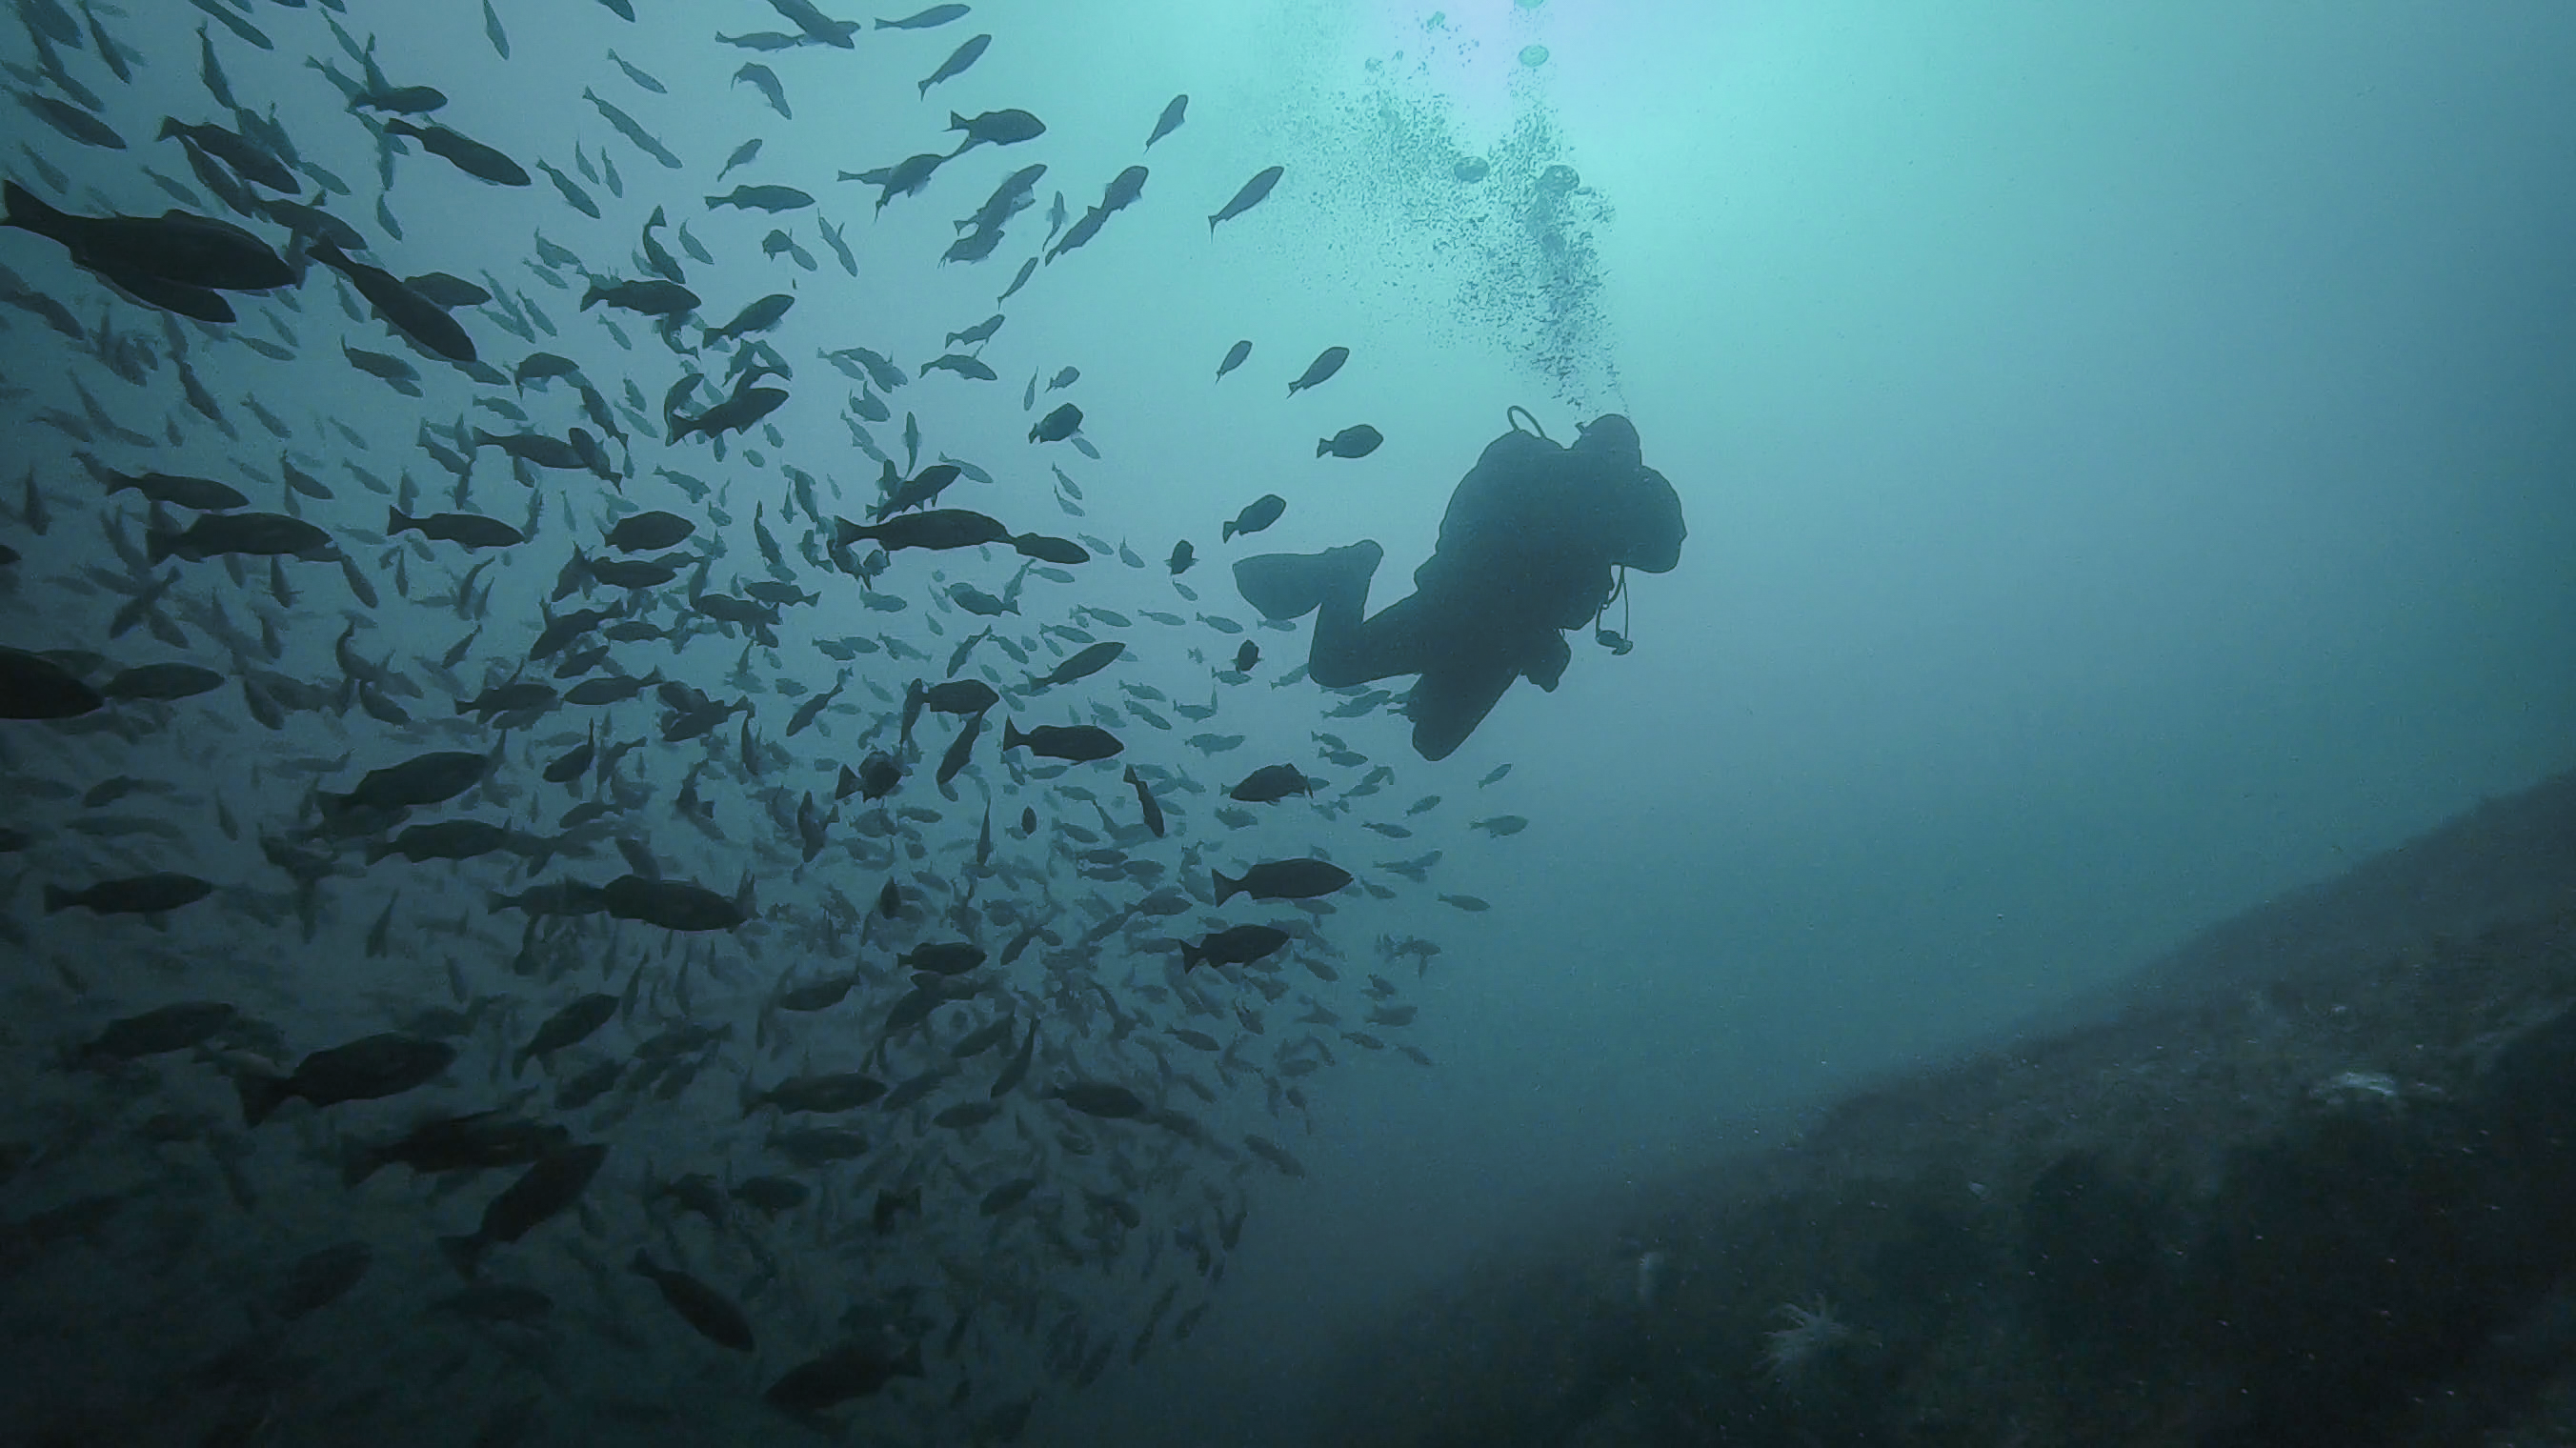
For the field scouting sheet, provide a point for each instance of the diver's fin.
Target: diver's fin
(1283, 586)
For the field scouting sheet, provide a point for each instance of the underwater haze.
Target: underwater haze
(599, 953)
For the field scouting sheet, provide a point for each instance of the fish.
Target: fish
(762, 198)
(367, 1069)
(445, 840)
(424, 779)
(1234, 357)
(35, 687)
(157, 1032)
(738, 413)
(165, 682)
(1078, 743)
(640, 77)
(1321, 370)
(961, 696)
(1107, 1100)
(447, 291)
(710, 1312)
(1238, 945)
(972, 368)
(958, 60)
(1047, 549)
(73, 122)
(248, 160)
(904, 178)
(644, 140)
(652, 297)
(570, 1026)
(1258, 514)
(1283, 880)
(470, 529)
(1145, 801)
(832, 237)
(154, 894)
(650, 532)
(1056, 426)
(1274, 1154)
(541, 1193)
(1174, 112)
(570, 190)
(944, 958)
(851, 1370)
(1250, 196)
(1351, 442)
(874, 779)
(466, 154)
(1081, 665)
(817, 26)
(766, 81)
(670, 904)
(960, 750)
(1182, 557)
(936, 15)
(174, 247)
(936, 529)
(826, 1094)
(477, 1142)
(997, 128)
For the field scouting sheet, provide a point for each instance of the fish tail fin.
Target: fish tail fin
(358, 1163)
(1225, 889)
(909, 1365)
(957, 122)
(1323, 445)
(1012, 738)
(21, 208)
(397, 521)
(57, 899)
(463, 1253)
(1192, 956)
(643, 1266)
(159, 544)
(169, 127)
(260, 1095)
(1226, 534)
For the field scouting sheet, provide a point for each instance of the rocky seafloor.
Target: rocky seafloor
(2308, 1179)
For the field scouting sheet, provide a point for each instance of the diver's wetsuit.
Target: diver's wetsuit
(1525, 552)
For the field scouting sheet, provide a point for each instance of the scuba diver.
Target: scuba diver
(1525, 552)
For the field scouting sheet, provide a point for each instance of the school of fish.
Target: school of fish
(811, 963)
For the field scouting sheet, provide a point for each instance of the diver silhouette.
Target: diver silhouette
(1525, 552)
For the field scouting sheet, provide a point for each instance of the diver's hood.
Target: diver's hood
(1612, 434)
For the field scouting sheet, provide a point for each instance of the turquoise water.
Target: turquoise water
(2124, 459)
